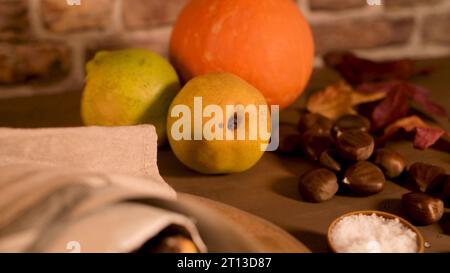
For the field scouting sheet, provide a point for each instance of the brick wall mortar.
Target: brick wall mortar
(81, 42)
(117, 19)
(304, 7)
(328, 16)
(72, 80)
(415, 48)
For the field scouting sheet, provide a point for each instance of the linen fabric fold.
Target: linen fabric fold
(84, 188)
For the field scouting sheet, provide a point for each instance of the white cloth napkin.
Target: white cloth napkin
(83, 188)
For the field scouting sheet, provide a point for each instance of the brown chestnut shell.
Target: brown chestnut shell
(355, 145)
(314, 123)
(350, 122)
(318, 185)
(391, 163)
(422, 208)
(427, 177)
(364, 178)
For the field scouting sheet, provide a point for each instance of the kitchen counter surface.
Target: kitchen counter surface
(268, 190)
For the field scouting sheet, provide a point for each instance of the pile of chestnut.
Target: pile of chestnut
(345, 151)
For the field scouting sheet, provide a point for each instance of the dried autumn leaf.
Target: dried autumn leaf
(425, 134)
(370, 87)
(420, 94)
(408, 124)
(429, 106)
(360, 98)
(356, 70)
(339, 99)
(415, 93)
(392, 108)
(332, 102)
(397, 102)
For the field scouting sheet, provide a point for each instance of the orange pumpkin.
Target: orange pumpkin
(268, 43)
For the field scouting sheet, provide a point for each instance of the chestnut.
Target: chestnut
(364, 178)
(422, 208)
(426, 176)
(313, 144)
(169, 244)
(355, 145)
(350, 122)
(289, 139)
(329, 158)
(390, 162)
(290, 144)
(315, 123)
(318, 185)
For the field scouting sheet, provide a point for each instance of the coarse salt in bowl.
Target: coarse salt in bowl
(373, 232)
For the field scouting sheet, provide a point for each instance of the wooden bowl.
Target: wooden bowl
(420, 240)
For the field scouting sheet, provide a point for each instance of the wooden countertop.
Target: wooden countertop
(268, 190)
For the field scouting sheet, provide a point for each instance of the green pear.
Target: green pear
(129, 87)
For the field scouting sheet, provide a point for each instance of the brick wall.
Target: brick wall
(44, 44)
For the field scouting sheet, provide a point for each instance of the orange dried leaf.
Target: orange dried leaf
(332, 102)
(408, 124)
(338, 99)
(425, 134)
(359, 97)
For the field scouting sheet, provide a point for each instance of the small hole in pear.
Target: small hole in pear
(233, 122)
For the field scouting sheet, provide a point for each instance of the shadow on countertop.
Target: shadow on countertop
(316, 242)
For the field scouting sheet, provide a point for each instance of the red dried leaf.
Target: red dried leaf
(427, 136)
(428, 105)
(377, 87)
(392, 108)
(408, 124)
(358, 70)
(415, 93)
(368, 74)
(417, 89)
(420, 95)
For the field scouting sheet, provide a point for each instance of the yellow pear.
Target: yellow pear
(207, 130)
(129, 87)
